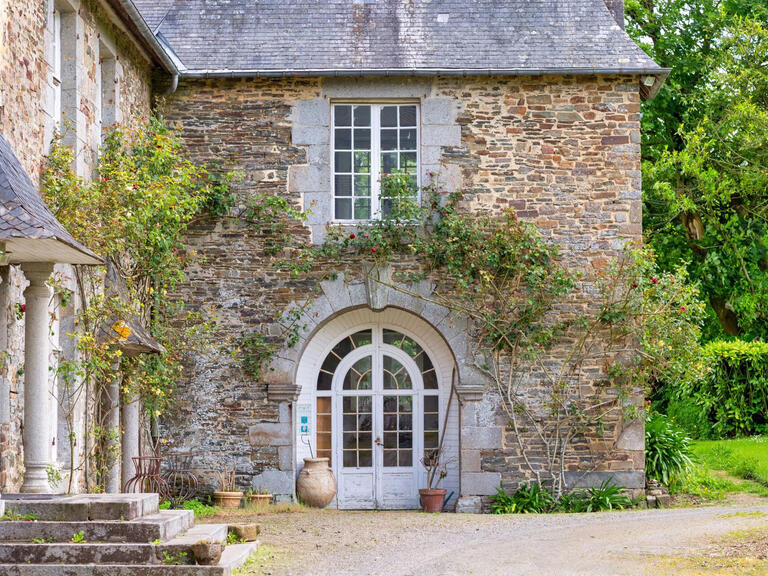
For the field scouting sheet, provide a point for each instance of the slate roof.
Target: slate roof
(238, 37)
(24, 215)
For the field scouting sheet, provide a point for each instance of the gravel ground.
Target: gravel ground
(337, 543)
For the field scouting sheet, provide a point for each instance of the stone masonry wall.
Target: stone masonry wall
(26, 121)
(562, 151)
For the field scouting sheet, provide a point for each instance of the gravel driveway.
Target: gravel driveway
(411, 543)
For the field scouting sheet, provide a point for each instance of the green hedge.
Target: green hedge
(734, 392)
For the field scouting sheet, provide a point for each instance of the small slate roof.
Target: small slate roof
(129, 335)
(28, 229)
(275, 37)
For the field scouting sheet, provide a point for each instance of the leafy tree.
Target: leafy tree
(705, 156)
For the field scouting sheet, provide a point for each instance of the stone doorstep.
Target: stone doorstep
(84, 507)
(233, 556)
(109, 553)
(161, 526)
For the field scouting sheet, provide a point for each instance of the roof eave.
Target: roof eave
(294, 72)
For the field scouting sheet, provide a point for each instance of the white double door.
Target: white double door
(378, 429)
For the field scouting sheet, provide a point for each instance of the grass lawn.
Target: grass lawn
(726, 467)
(741, 457)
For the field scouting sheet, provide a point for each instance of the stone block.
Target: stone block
(270, 434)
(440, 135)
(310, 135)
(430, 155)
(438, 111)
(633, 436)
(470, 460)
(316, 112)
(275, 481)
(628, 479)
(309, 179)
(469, 505)
(285, 457)
(336, 293)
(481, 438)
(480, 483)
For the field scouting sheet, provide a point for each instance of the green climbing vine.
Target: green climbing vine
(564, 367)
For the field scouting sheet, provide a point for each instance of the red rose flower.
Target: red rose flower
(634, 285)
(351, 236)
(373, 249)
(682, 308)
(367, 236)
(654, 280)
(23, 308)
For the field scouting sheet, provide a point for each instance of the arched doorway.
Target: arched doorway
(373, 402)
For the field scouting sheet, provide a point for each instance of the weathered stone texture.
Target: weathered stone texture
(26, 121)
(562, 151)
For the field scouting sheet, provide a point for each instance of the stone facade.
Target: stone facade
(27, 121)
(563, 151)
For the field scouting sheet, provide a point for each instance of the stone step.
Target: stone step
(81, 507)
(233, 557)
(163, 525)
(112, 553)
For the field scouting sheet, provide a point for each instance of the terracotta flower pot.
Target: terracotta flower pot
(228, 499)
(432, 500)
(261, 499)
(316, 485)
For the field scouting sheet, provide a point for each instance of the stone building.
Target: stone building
(531, 105)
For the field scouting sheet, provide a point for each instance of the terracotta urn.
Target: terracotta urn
(316, 485)
(259, 499)
(228, 499)
(432, 500)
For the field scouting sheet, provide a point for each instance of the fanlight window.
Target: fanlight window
(397, 410)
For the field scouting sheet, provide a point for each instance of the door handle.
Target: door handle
(378, 441)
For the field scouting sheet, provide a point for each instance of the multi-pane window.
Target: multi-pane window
(371, 141)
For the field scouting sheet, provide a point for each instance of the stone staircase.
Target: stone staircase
(107, 535)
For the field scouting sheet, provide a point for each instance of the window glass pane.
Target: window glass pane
(343, 185)
(362, 208)
(386, 206)
(388, 140)
(390, 458)
(324, 405)
(362, 162)
(406, 422)
(343, 162)
(362, 139)
(430, 380)
(407, 115)
(406, 458)
(405, 440)
(342, 115)
(408, 139)
(366, 458)
(324, 381)
(362, 115)
(350, 441)
(343, 208)
(388, 162)
(431, 440)
(343, 139)
(407, 162)
(362, 338)
(350, 423)
(364, 404)
(350, 459)
(362, 185)
(430, 404)
(390, 422)
(430, 421)
(389, 116)
(364, 422)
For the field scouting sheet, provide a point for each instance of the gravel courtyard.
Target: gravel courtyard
(410, 543)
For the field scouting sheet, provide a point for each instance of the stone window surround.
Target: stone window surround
(65, 57)
(311, 128)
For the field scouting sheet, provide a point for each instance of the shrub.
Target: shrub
(668, 450)
(607, 496)
(734, 392)
(530, 498)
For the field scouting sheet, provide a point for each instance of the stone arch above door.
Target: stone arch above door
(343, 302)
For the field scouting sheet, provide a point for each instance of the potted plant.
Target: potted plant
(433, 497)
(259, 496)
(227, 496)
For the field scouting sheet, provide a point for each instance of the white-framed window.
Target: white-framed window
(371, 140)
(56, 75)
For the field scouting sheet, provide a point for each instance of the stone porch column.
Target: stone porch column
(129, 416)
(110, 405)
(37, 416)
